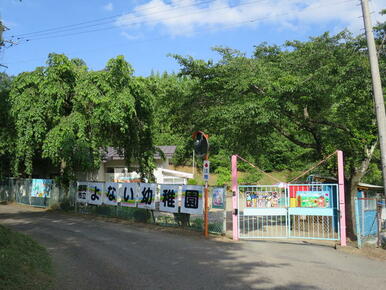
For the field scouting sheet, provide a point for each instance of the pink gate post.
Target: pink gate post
(342, 205)
(235, 199)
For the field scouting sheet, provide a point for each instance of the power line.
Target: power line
(162, 19)
(113, 18)
(214, 29)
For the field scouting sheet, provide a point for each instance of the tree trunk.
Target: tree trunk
(351, 188)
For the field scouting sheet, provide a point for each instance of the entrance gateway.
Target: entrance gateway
(314, 210)
(306, 211)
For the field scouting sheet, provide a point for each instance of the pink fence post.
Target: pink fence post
(342, 205)
(235, 199)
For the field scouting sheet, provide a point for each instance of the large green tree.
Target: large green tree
(6, 126)
(66, 115)
(300, 101)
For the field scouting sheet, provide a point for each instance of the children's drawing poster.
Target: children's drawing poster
(262, 199)
(218, 197)
(41, 187)
(319, 199)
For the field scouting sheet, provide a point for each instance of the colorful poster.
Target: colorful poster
(81, 195)
(191, 201)
(318, 199)
(218, 197)
(41, 187)
(128, 194)
(110, 196)
(94, 193)
(169, 198)
(146, 198)
(262, 199)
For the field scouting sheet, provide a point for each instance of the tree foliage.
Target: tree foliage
(6, 126)
(287, 105)
(66, 115)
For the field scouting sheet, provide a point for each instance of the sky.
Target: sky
(146, 32)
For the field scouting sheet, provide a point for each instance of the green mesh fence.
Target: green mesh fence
(217, 219)
(19, 190)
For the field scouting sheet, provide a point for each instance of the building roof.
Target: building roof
(168, 151)
(114, 154)
(169, 172)
(369, 186)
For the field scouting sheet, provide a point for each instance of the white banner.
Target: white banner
(128, 194)
(146, 197)
(169, 198)
(94, 193)
(81, 195)
(110, 196)
(191, 201)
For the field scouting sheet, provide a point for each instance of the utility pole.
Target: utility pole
(2, 28)
(377, 86)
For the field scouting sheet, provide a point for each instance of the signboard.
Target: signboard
(90, 192)
(205, 170)
(218, 197)
(110, 196)
(94, 193)
(41, 187)
(169, 198)
(191, 201)
(128, 194)
(146, 197)
(81, 195)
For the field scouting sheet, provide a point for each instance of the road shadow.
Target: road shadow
(104, 255)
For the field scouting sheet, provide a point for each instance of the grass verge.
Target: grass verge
(24, 264)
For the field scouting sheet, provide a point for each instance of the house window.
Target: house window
(110, 170)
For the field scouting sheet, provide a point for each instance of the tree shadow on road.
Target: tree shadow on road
(101, 255)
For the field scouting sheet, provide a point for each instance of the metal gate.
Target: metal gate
(306, 211)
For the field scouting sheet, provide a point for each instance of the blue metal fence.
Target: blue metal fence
(366, 219)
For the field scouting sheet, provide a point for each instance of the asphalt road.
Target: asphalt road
(94, 254)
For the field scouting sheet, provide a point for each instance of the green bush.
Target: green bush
(192, 181)
(141, 215)
(66, 205)
(197, 224)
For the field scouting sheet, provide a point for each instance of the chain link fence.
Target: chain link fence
(21, 191)
(24, 191)
(217, 217)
